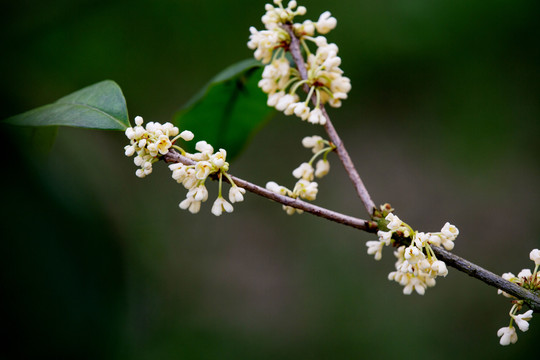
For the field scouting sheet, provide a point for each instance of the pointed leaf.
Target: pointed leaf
(98, 106)
(228, 110)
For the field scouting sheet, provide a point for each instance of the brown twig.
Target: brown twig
(450, 259)
(175, 157)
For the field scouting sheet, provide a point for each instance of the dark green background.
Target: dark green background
(442, 122)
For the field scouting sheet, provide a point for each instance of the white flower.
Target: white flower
(385, 236)
(274, 98)
(316, 117)
(163, 144)
(139, 120)
(435, 240)
(304, 171)
(236, 194)
(322, 168)
(190, 204)
(129, 150)
(275, 188)
(375, 247)
(522, 320)
(439, 268)
(325, 23)
(508, 335)
(221, 204)
(306, 189)
(187, 135)
(285, 101)
(202, 169)
(314, 142)
(450, 231)
(535, 256)
(204, 147)
(198, 193)
(218, 159)
(302, 110)
(524, 274)
(394, 222)
(420, 239)
(413, 254)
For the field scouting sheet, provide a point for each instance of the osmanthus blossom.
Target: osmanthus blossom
(154, 140)
(305, 188)
(280, 81)
(416, 267)
(529, 280)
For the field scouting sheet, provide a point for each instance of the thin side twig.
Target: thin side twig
(174, 157)
(342, 153)
(450, 259)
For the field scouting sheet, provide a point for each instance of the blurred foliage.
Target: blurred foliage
(229, 110)
(98, 106)
(442, 122)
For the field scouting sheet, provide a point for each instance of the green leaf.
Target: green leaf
(229, 110)
(98, 106)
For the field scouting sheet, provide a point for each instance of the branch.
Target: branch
(174, 157)
(450, 259)
(343, 155)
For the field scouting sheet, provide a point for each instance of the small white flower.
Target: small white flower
(187, 135)
(314, 142)
(274, 98)
(325, 23)
(218, 159)
(204, 147)
(375, 247)
(522, 320)
(316, 117)
(535, 256)
(302, 110)
(450, 231)
(508, 335)
(394, 222)
(304, 171)
(202, 169)
(413, 254)
(129, 150)
(322, 168)
(284, 102)
(163, 144)
(439, 268)
(524, 274)
(435, 240)
(236, 194)
(139, 120)
(306, 189)
(221, 204)
(275, 188)
(420, 239)
(385, 236)
(198, 193)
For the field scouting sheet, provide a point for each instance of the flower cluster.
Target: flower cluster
(280, 81)
(527, 280)
(416, 265)
(149, 142)
(305, 187)
(154, 141)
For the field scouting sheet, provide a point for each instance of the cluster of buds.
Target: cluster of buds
(152, 142)
(416, 265)
(149, 142)
(305, 187)
(529, 281)
(325, 81)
